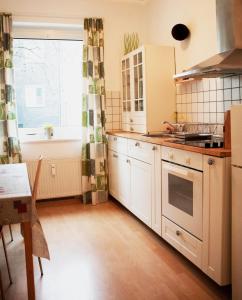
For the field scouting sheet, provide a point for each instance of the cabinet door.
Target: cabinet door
(138, 79)
(216, 218)
(156, 190)
(141, 190)
(126, 89)
(113, 173)
(123, 180)
(119, 177)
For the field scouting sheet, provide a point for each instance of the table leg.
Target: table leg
(29, 259)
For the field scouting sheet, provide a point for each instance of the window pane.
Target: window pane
(181, 193)
(48, 82)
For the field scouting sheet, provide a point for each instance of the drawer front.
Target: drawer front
(117, 144)
(183, 241)
(182, 157)
(141, 151)
(137, 120)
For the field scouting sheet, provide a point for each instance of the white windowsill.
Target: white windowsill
(61, 134)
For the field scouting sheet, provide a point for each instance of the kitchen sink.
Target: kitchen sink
(159, 134)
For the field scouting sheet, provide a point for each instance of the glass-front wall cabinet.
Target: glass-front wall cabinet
(126, 85)
(132, 83)
(148, 90)
(138, 82)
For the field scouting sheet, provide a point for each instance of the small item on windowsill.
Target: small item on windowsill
(48, 131)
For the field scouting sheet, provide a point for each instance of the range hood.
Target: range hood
(229, 34)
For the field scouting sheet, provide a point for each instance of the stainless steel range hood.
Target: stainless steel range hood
(229, 35)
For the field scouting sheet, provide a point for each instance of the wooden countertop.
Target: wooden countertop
(218, 152)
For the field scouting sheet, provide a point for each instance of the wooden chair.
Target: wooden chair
(7, 262)
(34, 197)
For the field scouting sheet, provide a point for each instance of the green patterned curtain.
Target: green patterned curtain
(9, 143)
(94, 143)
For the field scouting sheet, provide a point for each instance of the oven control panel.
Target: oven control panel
(185, 158)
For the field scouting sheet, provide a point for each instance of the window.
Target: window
(48, 82)
(34, 96)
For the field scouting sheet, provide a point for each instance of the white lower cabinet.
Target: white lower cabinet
(123, 180)
(113, 173)
(183, 241)
(135, 179)
(119, 177)
(140, 186)
(217, 219)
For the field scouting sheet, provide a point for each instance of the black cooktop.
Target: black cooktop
(200, 143)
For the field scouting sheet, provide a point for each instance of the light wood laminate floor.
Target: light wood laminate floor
(103, 252)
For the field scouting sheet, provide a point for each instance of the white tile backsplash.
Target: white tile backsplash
(206, 96)
(200, 97)
(227, 82)
(212, 96)
(199, 85)
(212, 84)
(194, 97)
(113, 110)
(205, 100)
(189, 98)
(235, 81)
(235, 94)
(206, 107)
(194, 86)
(184, 98)
(212, 107)
(219, 83)
(220, 107)
(189, 88)
(220, 95)
(205, 84)
(227, 94)
(200, 107)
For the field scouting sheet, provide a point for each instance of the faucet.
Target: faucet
(170, 127)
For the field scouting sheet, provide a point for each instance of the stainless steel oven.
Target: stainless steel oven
(182, 190)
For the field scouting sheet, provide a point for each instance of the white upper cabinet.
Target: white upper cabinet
(148, 89)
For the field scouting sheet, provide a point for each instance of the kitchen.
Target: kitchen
(171, 168)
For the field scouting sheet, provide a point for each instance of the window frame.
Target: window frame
(47, 30)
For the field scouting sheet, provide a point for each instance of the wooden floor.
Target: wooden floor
(103, 252)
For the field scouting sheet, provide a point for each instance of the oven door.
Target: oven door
(182, 190)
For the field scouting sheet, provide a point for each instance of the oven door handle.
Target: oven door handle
(180, 172)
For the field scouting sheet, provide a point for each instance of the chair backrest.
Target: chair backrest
(36, 179)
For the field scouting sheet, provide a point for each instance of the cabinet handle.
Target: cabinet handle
(154, 148)
(115, 139)
(178, 233)
(171, 156)
(114, 155)
(211, 161)
(188, 160)
(137, 144)
(127, 161)
(131, 120)
(131, 129)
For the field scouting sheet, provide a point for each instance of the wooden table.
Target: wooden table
(16, 207)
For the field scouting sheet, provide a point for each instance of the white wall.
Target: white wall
(119, 18)
(199, 16)
(152, 21)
